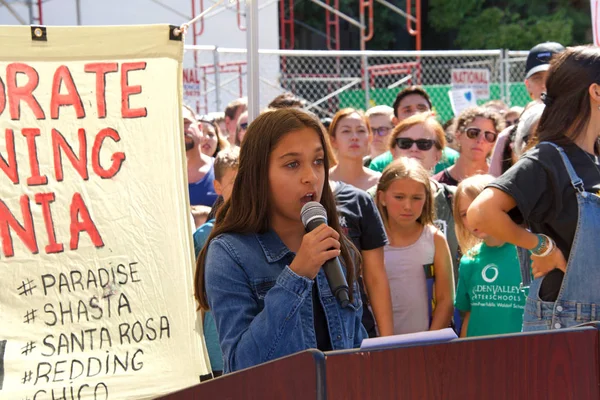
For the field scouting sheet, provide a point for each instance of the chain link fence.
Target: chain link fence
(331, 80)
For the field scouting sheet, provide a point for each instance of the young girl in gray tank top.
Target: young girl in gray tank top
(417, 251)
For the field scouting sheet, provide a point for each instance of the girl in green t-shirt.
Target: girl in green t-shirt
(489, 276)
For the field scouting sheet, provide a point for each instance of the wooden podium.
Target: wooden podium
(551, 365)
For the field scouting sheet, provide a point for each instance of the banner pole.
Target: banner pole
(252, 66)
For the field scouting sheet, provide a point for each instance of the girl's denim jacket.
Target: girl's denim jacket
(262, 309)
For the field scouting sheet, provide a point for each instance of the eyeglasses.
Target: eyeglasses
(381, 131)
(244, 125)
(407, 143)
(473, 133)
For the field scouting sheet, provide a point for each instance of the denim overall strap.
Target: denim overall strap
(579, 298)
(576, 181)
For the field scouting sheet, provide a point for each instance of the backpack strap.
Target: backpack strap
(449, 192)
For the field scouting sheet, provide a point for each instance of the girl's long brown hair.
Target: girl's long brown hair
(567, 111)
(247, 211)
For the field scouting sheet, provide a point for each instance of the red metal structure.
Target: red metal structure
(207, 70)
(406, 68)
(286, 24)
(366, 6)
(40, 17)
(239, 16)
(197, 28)
(332, 23)
(287, 41)
(235, 67)
(416, 31)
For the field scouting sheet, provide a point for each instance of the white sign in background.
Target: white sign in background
(595, 6)
(461, 99)
(477, 79)
(96, 253)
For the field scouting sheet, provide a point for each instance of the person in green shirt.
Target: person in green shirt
(489, 277)
(413, 100)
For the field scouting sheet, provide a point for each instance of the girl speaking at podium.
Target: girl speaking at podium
(260, 272)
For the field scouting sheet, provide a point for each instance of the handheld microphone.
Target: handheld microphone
(313, 214)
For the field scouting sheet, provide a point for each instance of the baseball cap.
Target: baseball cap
(539, 57)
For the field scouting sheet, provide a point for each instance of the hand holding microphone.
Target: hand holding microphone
(317, 247)
(320, 248)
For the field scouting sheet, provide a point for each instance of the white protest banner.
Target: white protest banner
(595, 5)
(461, 99)
(191, 87)
(96, 252)
(476, 79)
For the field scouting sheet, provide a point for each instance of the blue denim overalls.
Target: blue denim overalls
(578, 300)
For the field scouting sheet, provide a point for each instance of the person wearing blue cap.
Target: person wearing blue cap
(536, 67)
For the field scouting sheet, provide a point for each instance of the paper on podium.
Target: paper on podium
(386, 342)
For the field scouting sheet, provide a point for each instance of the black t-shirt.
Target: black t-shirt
(321, 329)
(546, 200)
(359, 217)
(361, 222)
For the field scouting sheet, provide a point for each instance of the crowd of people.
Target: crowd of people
(486, 224)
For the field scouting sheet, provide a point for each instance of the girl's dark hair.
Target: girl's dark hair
(567, 99)
(247, 211)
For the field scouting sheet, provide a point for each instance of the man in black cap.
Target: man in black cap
(537, 66)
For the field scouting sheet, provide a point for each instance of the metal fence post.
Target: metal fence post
(507, 75)
(502, 80)
(365, 62)
(217, 78)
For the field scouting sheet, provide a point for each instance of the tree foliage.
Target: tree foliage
(511, 24)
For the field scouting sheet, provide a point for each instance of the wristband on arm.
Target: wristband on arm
(544, 247)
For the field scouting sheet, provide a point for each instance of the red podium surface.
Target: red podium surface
(295, 377)
(553, 365)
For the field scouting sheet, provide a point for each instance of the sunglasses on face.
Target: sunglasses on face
(244, 125)
(407, 143)
(473, 133)
(381, 131)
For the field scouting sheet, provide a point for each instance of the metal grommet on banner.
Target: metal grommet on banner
(38, 33)
(175, 33)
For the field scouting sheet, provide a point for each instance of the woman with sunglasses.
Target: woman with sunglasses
(350, 135)
(422, 137)
(476, 132)
(242, 127)
(381, 119)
